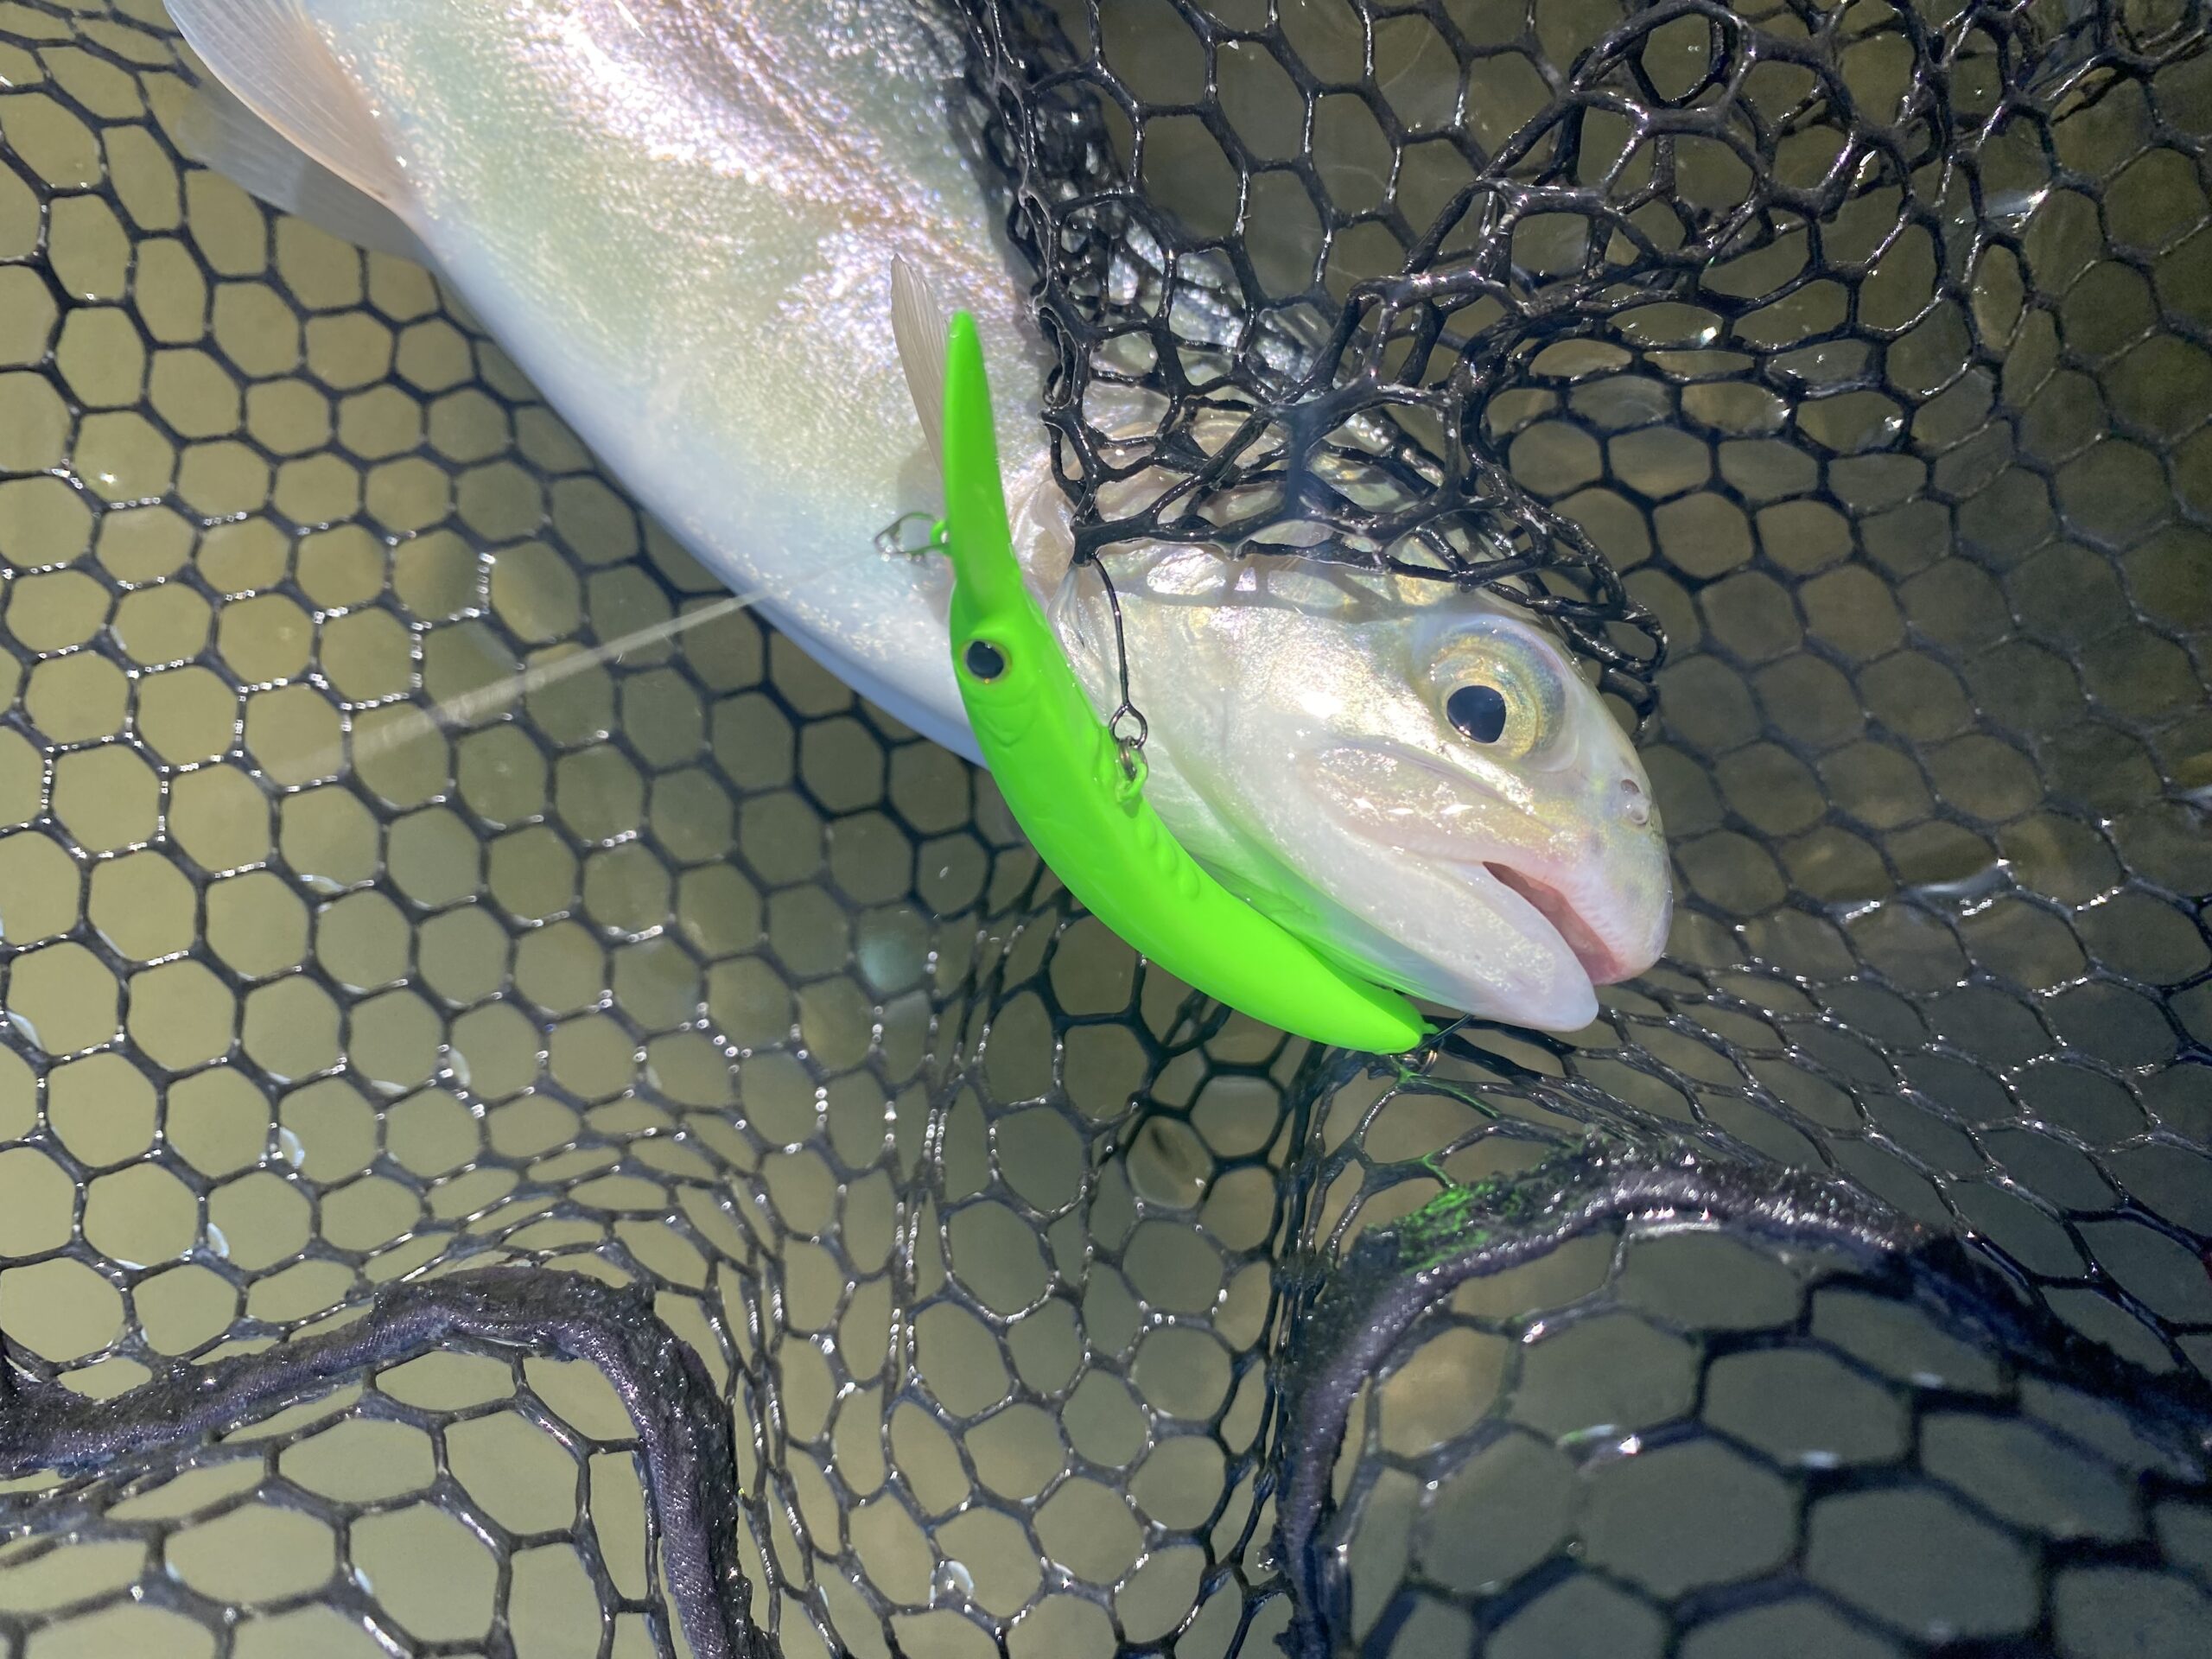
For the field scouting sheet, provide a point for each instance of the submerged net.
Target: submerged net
(647, 1161)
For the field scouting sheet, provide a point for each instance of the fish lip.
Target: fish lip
(1599, 960)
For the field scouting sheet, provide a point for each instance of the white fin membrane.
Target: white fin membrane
(918, 323)
(217, 130)
(268, 55)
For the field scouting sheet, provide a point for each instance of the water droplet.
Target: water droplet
(951, 1582)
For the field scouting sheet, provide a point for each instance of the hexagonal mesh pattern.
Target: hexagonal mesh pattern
(889, 1264)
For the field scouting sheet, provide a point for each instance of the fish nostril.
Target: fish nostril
(1635, 806)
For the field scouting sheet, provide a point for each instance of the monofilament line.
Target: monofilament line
(468, 709)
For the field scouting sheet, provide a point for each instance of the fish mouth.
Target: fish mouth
(1597, 958)
(1426, 808)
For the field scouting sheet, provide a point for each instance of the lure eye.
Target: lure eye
(1479, 712)
(985, 661)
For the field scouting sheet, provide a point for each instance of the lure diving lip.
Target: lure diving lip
(1062, 774)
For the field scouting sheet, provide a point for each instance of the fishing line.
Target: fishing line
(469, 708)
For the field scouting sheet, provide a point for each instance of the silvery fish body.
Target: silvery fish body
(680, 218)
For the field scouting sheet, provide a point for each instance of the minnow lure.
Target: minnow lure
(1082, 807)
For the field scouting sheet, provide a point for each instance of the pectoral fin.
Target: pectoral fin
(917, 320)
(288, 124)
(218, 130)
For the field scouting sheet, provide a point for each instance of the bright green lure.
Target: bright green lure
(1061, 774)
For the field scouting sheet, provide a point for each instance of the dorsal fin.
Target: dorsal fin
(272, 60)
(918, 321)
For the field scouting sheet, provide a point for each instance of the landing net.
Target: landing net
(647, 1164)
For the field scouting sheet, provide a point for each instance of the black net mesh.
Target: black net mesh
(647, 1163)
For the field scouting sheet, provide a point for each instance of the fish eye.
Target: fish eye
(985, 660)
(1502, 687)
(1479, 712)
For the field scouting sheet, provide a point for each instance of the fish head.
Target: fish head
(1417, 779)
